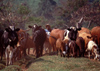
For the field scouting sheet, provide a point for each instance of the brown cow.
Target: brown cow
(60, 46)
(80, 44)
(25, 42)
(39, 37)
(72, 48)
(95, 32)
(30, 44)
(87, 37)
(54, 35)
(22, 37)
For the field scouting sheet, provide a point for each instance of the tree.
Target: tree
(46, 8)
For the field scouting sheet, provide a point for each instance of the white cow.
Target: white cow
(92, 47)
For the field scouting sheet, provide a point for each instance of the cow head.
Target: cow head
(72, 33)
(34, 27)
(12, 35)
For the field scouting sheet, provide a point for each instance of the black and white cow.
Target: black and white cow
(39, 37)
(9, 40)
(71, 33)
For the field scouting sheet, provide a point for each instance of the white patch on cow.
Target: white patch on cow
(10, 57)
(91, 44)
(66, 37)
(64, 52)
(9, 40)
(5, 33)
(70, 44)
(34, 26)
(12, 27)
(73, 28)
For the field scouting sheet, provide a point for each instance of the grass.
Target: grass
(57, 63)
(52, 63)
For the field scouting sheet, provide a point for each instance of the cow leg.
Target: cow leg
(57, 52)
(10, 58)
(34, 51)
(61, 53)
(28, 50)
(24, 51)
(7, 56)
(41, 49)
(68, 52)
(37, 51)
(50, 49)
(89, 54)
(2, 53)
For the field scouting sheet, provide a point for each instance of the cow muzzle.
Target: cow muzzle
(18, 45)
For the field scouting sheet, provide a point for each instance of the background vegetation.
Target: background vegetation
(57, 13)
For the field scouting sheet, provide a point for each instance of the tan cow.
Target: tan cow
(88, 38)
(60, 46)
(86, 30)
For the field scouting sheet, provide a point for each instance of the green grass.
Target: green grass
(57, 63)
(52, 63)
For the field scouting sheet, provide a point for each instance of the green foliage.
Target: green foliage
(35, 19)
(24, 10)
(75, 4)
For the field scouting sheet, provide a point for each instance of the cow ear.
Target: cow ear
(68, 29)
(8, 29)
(17, 29)
(78, 29)
(30, 26)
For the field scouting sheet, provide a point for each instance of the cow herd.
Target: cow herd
(73, 41)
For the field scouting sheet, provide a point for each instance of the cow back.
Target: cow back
(95, 32)
(39, 36)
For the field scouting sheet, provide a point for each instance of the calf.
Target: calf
(93, 48)
(72, 48)
(60, 46)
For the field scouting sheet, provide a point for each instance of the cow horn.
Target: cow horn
(66, 25)
(79, 24)
(27, 29)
